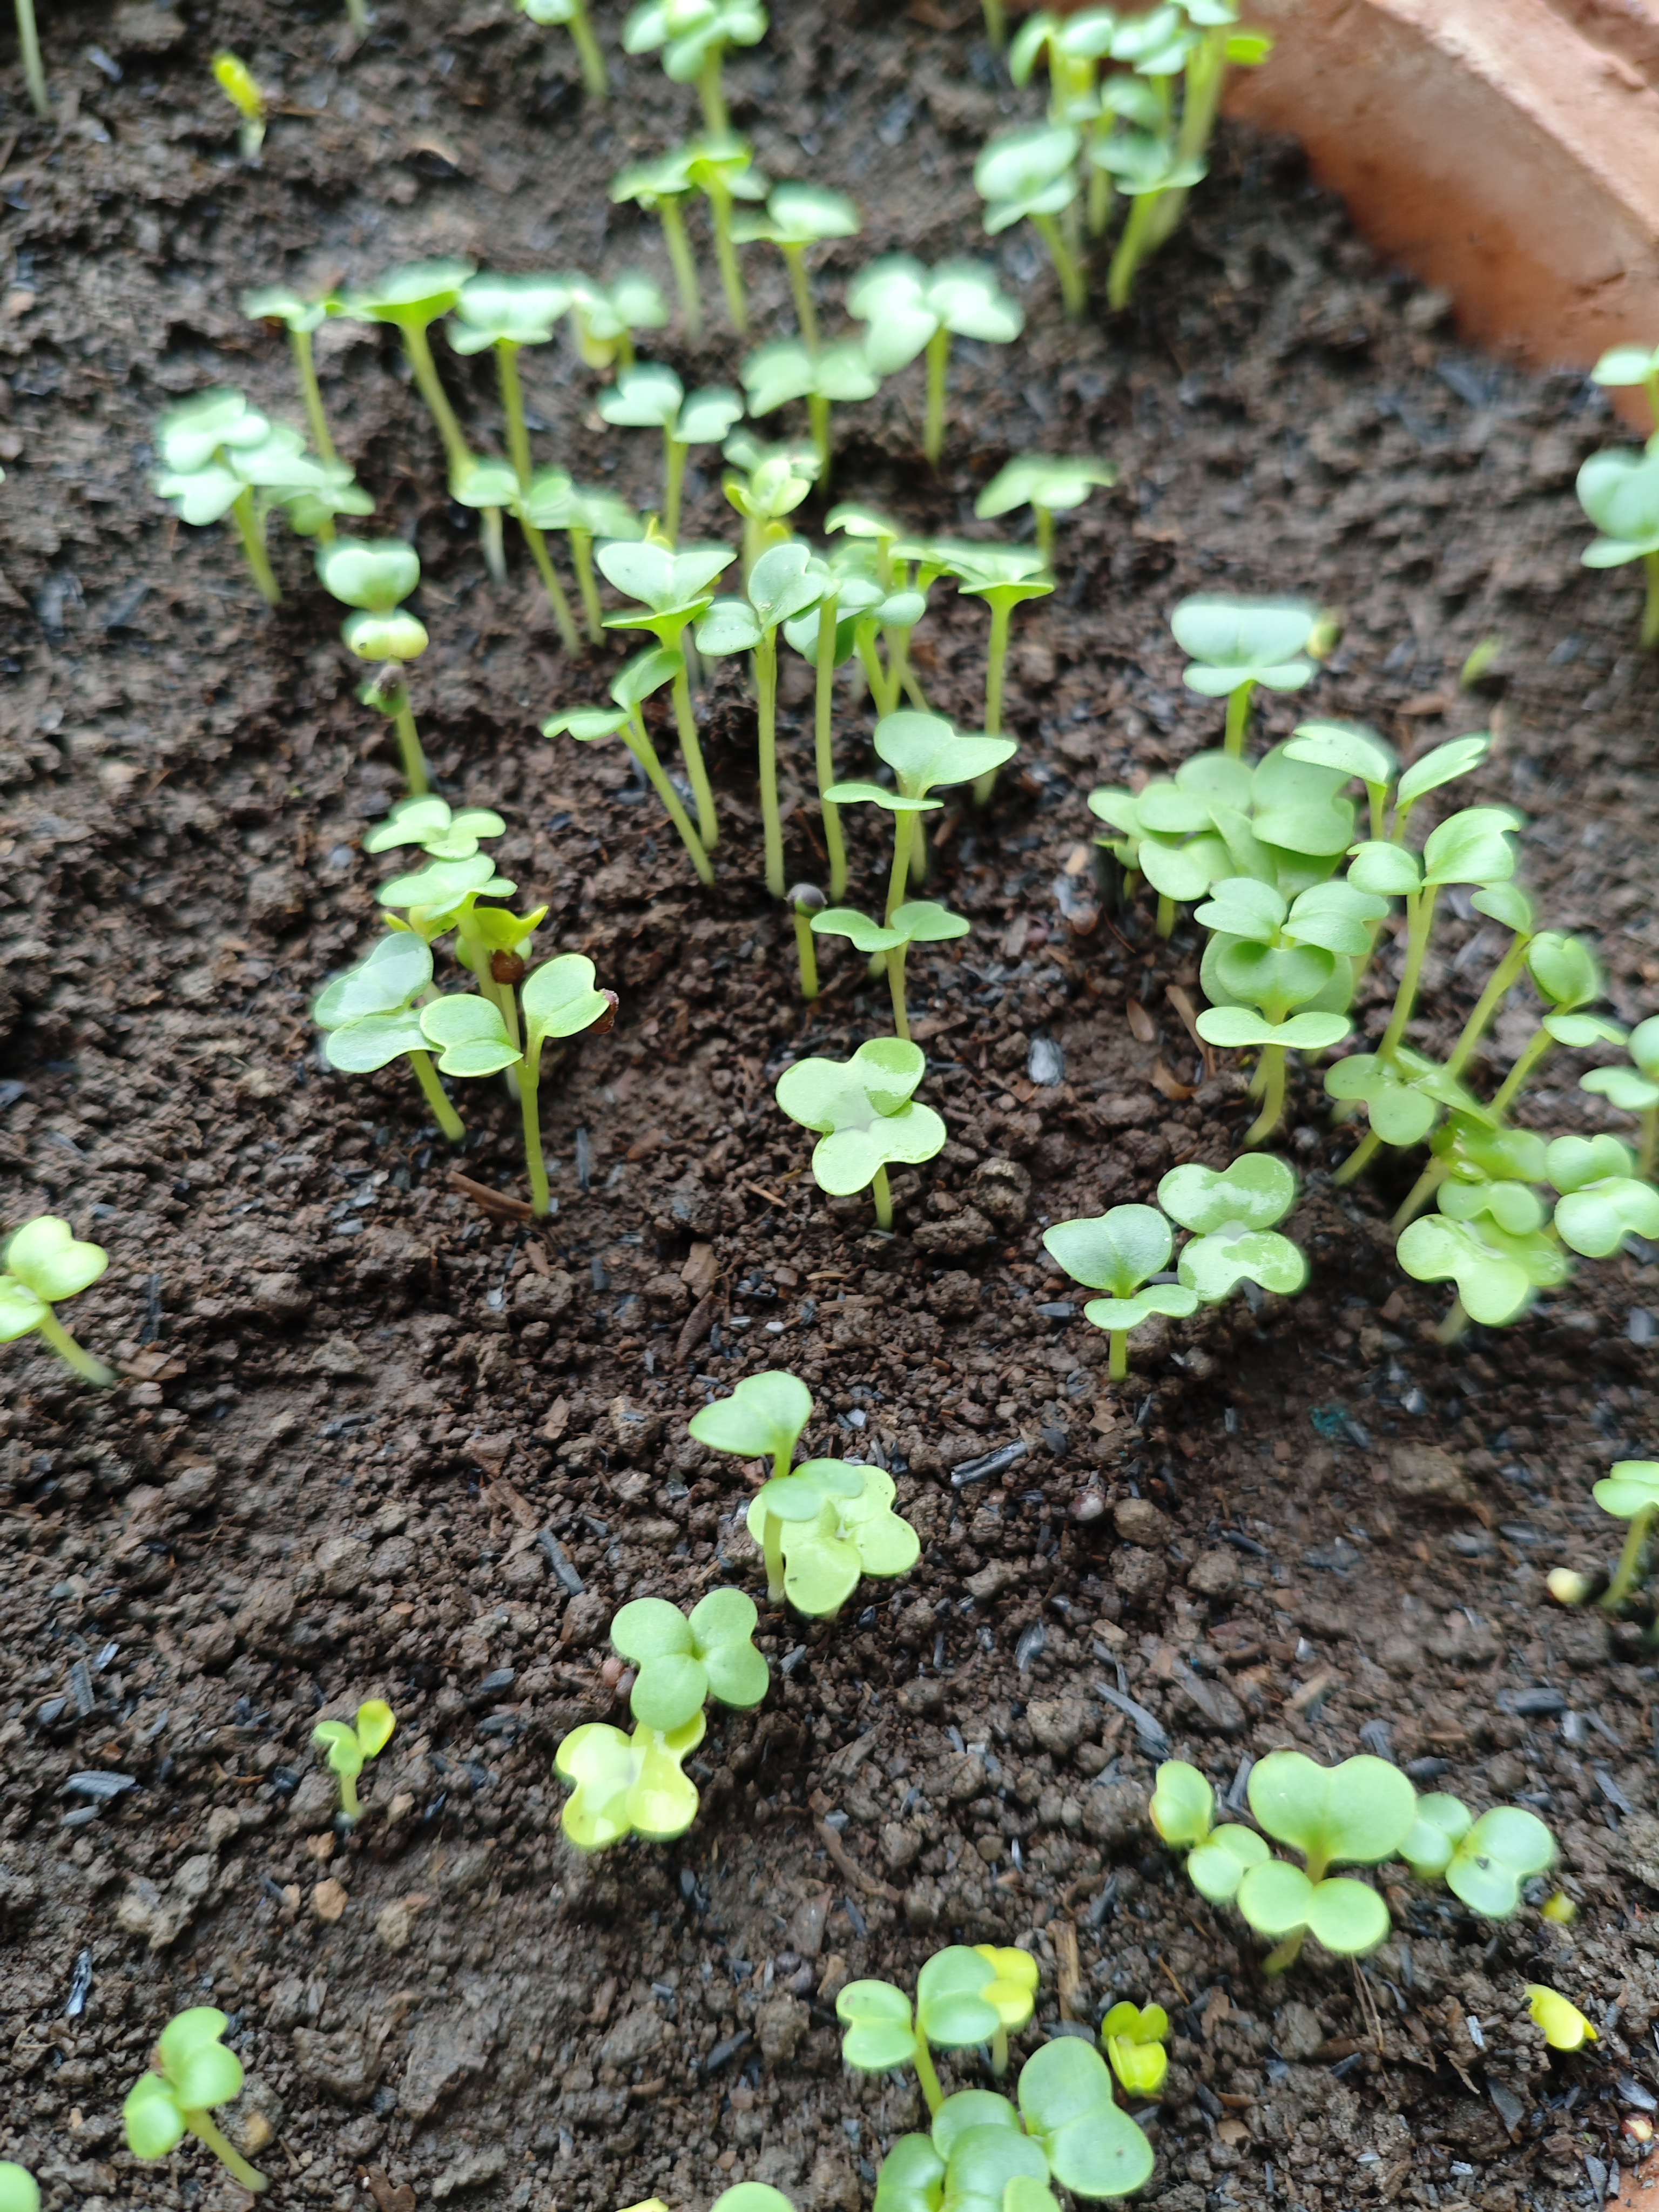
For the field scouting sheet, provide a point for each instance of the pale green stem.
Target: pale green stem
(1418, 1195)
(569, 637)
(1650, 1146)
(1100, 201)
(1238, 720)
(817, 417)
(996, 661)
(1487, 1006)
(310, 392)
(1650, 609)
(801, 285)
(645, 753)
(1456, 1324)
(489, 538)
(766, 695)
(202, 2127)
(1117, 1361)
(882, 1193)
(898, 659)
(996, 30)
(808, 949)
(715, 121)
(824, 745)
(772, 1552)
(1132, 247)
(1419, 923)
(1166, 915)
(696, 769)
(926, 2072)
(682, 263)
(1629, 1561)
(594, 75)
(1272, 1071)
(726, 253)
(1360, 1158)
(253, 545)
(920, 862)
(357, 14)
(518, 430)
(34, 74)
(884, 689)
(1045, 532)
(1205, 73)
(938, 364)
(896, 959)
(437, 399)
(999, 2050)
(89, 1370)
(448, 1120)
(896, 879)
(1074, 284)
(408, 743)
(674, 456)
(1283, 1956)
(351, 1803)
(1509, 1089)
(581, 553)
(541, 1203)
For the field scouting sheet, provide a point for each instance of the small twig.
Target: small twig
(499, 1203)
(1071, 1972)
(849, 1866)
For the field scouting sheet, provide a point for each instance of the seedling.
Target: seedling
(645, 673)
(787, 369)
(1237, 644)
(692, 36)
(193, 2073)
(1072, 48)
(918, 921)
(721, 165)
(19, 2190)
(1619, 491)
(964, 1997)
(300, 317)
(1003, 576)
(1482, 1861)
(1047, 487)
(373, 575)
(1565, 2028)
(574, 15)
(926, 755)
(672, 589)
(1149, 171)
(583, 513)
(763, 1419)
(1134, 2039)
(412, 298)
(1498, 1272)
(1119, 1252)
(767, 483)
(1230, 1213)
(369, 1019)
(683, 1661)
(823, 1526)
(214, 450)
(1635, 1090)
(1630, 1492)
(34, 74)
(662, 186)
(799, 216)
(350, 1745)
(627, 1786)
(607, 316)
(1625, 365)
(45, 1262)
(805, 902)
(236, 81)
(866, 1116)
(782, 584)
(1602, 1201)
(911, 309)
(651, 397)
(1031, 174)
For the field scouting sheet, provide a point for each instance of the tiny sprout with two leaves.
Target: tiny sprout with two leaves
(301, 317)
(412, 298)
(1133, 2037)
(866, 1116)
(574, 15)
(797, 216)
(634, 682)
(692, 37)
(672, 589)
(1048, 486)
(918, 921)
(350, 1745)
(662, 185)
(1030, 175)
(43, 1263)
(1565, 2028)
(369, 1019)
(1629, 1492)
(964, 1997)
(373, 575)
(925, 754)
(683, 1661)
(193, 2073)
(1237, 644)
(651, 397)
(584, 513)
(623, 1786)
(789, 369)
(1635, 1090)
(607, 315)
(246, 95)
(912, 309)
(1003, 576)
(1618, 488)
(19, 2190)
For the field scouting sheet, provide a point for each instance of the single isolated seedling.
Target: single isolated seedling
(1003, 576)
(1237, 644)
(692, 37)
(866, 1116)
(1484, 1861)
(1230, 1213)
(1629, 1492)
(651, 397)
(574, 15)
(19, 2190)
(634, 684)
(926, 755)
(911, 309)
(1619, 491)
(766, 485)
(45, 1262)
(1133, 2039)
(350, 1745)
(373, 576)
(369, 1018)
(683, 1661)
(302, 318)
(722, 167)
(1048, 486)
(627, 1786)
(662, 186)
(1031, 174)
(193, 2073)
(236, 81)
(918, 921)
(1119, 1252)
(219, 456)
(797, 216)
(805, 902)
(412, 298)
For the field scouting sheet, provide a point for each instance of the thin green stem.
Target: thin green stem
(201, 2125)
(1283, 1956)
(999, 2050)
(1650, 607)
(683, 261)
(1360, 1158)
(1420, 1195)
(926, 2072)
(1132, 247)
(518, 430)
(1117, 1360)
(448, 1120)
(541, 1203)
(896, 959)
(1045, 532)
(569, 637)
(996, 30)
(900, 869)
(806, 948)
(357, 16)
(726, 253)
(1073, 283)
(34, 74)
(1238, 719)
(881, 1191)
(1419, 926)
(800, 284)
(249, 529)
(1515, 1082)
(921, 863)
(938, 364)
(1456, 1324)
(883, 686)
(408, 743)
(772, 1552)
(645, 753)
(1629, 1561)
(711, 93)
(1508, 968)
(1271, 1072)
(489, 538)
(89, 1370)
(817, 418)
(1166, 915)
(305, 369)
(581, 553)
(823, 747)
(351, 1803)
(1100, 201)
(696, 769)
(766, 695)
(673, 471)
(437, 399)
(996, 661)
(594, 74)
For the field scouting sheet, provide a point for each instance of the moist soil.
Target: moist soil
(378, 1434)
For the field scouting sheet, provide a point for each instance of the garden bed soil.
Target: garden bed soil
(378, 1434)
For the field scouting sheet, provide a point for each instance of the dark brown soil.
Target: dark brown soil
(375, 1440)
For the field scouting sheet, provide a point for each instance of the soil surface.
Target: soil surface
(377, 1436)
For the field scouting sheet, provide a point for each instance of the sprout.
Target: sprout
(583, 513)
(626, 1785)
(651, 397)
(683, 1661)
(661, 186)
(963, 1996)
(721, 165)
(1134, 2040)
(373, 575)
(1032, 174)
(1003, 576)
(805, 902)
(1048, 487)
(1565, 2028)
(1071, 47)
(866, 1116)
(1119, 1252)
(194, 2073)
(774, 481)
(1602, 1202)
(1150, 171)
(762, 1419)
(236, 81)
(369, 1019)
(19, 2190)
(1482, 1861)
(350, 1745)
(607, 316)
(34, 76)
(1353, 1815)
(45, 1262)
(787, 369)
(823, 1526)
(301, 317)
(1230, 1213)
(673, 587)
(925, 753)
(412, 298)
(1497, 1273)
(1635, 1090)
(217, 453)
(1237, 644)
(1619, 491)
(918, 921)
(1625, 365)
(1630, 1492)
(911, 309)
(782, 584)
(692, 36)
(574, 15)
(635, 682)
(798, 215)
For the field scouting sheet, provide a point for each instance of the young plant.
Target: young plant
(692, 37)
(662, 187)
(1047, 487)
(918, 921)
(369, 1019)
(19, 2190)
(1119, 1252)
(1003, 576)
(804, 901)
(1237, 644)
(302, 318)
(911, 309)
(627, 1786)
(584, 513)
(767, 483)
(1624, 366)
(212, 451)
(34, 77)
(1133, 2039)
(722, 169)
(672, 589)
(683, 1661)
(782, 584)
(789, 369)
(1482, 1861)
(236, 81)
(1230, 1215)
(607, 316)
(444, 896)
(866, 1117)
(926, 755)
(1565, 2028)
(348, 1746)
(825, 1525)
(411, 299)
(1635, 1090)
(45, 1262)
(574, 15)
(373, 575)
(1619, 491)
(651, 397)
(1629, 1492)
(964, 1997)
(1030, 175)
(638, 678)
(799, 216)
(193, 2073)
(763, 1419)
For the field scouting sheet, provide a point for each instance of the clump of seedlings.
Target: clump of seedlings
(236, 81)
(1048, 486)
(797, 217)
(911, 309)
(19, 2190)
(350, 1745)
(1618, 487)
(573, 14)
(374, 576)
(193, 2073)
(651, 397)
(44, 1263)
(866, 1116)
(692, 37)
(627, 1786)
(646, 673)
(684, 1660)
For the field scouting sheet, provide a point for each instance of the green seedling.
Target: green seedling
(721, 166)
(369, 1019)
(237, 82)
(1619, 491)
(926, 755)
(302, 318)
(411, 299)
(373, 576)
(673, 591)
(1482, 1861)
(441, 831)
(965, 1997)
(1133, 2039)
(1003, 576)
(866, 1116)
(1565, 2028)
(1630, 1492)
(662, 187)
(1071, 48)
(1624, 366)
(627, 1786)
(1602, 1201)
(552, 501)
(193, 2073)
(1237, 644)
(823, 1527)
(34, 77)
(782, 584)
(1147, 169)
(1229, 1215)
(573, 14)
(799, 216)
(871, 555)
(1635, 1090)
(766, 485)
(443, 896)
(788, 369)
(683, 1661)
(692, 37)
(918, 921)
(1048, 486)
(1498, 1272)
(45, 1262)
(1030, 175)
(1119, 1252)
(651, 397)
(911, 309)
(639, 677)
(219, 456)
(350, 1745)
(805, 902)
(19, 2190)
(607, 316)
(763, 1419)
